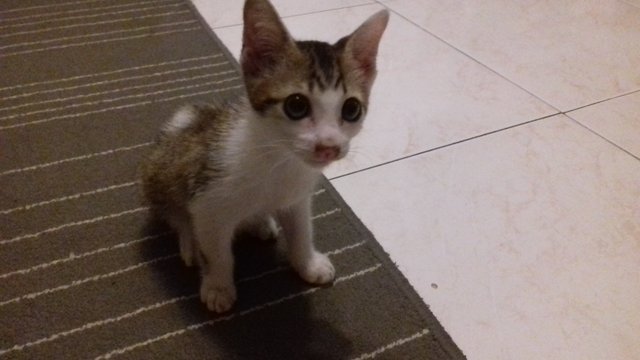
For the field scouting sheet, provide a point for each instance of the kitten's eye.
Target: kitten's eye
(351, 110)
(297, 106)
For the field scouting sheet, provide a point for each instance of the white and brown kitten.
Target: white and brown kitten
(215, 170)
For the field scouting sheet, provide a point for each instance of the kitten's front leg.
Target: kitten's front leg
(217, 289)
(311, 265)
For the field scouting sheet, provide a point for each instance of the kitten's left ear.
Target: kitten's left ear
(362, 45)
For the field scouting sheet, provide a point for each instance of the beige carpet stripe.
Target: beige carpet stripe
(153, 306)
(111, 81)
(67, 198)
(84, 96)
(124, 38)
(115, 99)
(87, 193)
(73, 256)
(105, 73)
(102, 22)
(75, 283)
(392, 345)
(88, 10)
(97, 34)
(101, 250)
(28, 8)
(107, 217)
(76, 158)
(266, 305)
(72, 224)
(141, 103)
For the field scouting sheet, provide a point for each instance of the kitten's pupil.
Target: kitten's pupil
(297, 106)
(351, 110)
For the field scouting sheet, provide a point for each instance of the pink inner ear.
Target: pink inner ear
(365, 40)
(264, 37)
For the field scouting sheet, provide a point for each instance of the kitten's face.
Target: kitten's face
(314, 110)
(314, 94)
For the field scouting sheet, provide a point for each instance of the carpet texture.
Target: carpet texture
(84, 273)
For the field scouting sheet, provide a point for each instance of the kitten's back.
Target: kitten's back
(180, 164)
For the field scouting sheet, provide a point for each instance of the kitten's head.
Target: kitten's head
(315, 94)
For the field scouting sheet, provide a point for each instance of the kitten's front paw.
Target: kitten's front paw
(317, 270)
(218, 297)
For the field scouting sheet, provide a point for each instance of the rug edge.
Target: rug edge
(445, 340)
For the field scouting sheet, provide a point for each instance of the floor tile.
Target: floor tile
(570, 53)
(633, 2)
(426, 95)
(524, 242)
(618, 120)
(225, 13)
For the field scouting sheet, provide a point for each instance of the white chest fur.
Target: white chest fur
(262, 175)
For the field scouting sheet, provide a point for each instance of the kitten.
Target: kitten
(215, 170)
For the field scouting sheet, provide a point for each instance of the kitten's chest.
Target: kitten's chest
(283, 186)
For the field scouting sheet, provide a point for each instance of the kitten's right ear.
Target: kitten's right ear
(361, 47)
(264, 39)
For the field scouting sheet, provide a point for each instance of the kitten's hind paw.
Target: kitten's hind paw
(218, 298)
(263, 228)
(317, 270)
(186, 252)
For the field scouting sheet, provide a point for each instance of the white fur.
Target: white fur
(180, 120)
(265, 178)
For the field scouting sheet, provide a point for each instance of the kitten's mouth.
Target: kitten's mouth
(319, 163)
(323, 155)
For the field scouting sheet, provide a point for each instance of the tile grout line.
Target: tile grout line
(370, 2)
(445, 146)
(559, 112)
(602, 101)
(467, 55)
(602, 137)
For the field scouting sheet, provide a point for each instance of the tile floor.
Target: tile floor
(500, 164)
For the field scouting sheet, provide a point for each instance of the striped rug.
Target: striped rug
(84, 273)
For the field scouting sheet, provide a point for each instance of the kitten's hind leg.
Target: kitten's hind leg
(181, 223)
(214, 239)
(263, 227)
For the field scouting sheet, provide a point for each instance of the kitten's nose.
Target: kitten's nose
(326, 153)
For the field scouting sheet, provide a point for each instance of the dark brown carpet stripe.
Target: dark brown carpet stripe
(84, 273)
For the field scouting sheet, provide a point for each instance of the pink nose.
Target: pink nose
(326, 153)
